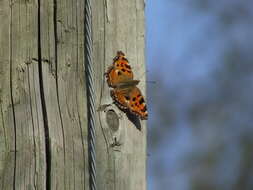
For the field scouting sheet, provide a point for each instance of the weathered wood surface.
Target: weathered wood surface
(63, 77)
(119, 25)
(61, 38)
(50, 51)
(21, 132)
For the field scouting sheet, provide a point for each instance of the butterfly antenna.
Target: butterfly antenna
(149, 81)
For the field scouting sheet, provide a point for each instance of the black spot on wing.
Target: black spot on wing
(138, 95)
(129, 71)
(141, 101)
(124, 59)
(127, 97)
(123, 70)
(134, 98)
(115, 58)
(119, 73)
(128, 66)
(144, 109)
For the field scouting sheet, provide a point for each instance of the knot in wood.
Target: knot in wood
(112, 120)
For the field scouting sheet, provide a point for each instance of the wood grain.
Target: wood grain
(43, 124)
(119, 25)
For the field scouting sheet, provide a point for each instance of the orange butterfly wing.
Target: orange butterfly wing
(125, 93)
(130, 99)
(137, 103)
(120, 71)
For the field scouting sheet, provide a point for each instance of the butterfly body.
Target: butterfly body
(125, 93)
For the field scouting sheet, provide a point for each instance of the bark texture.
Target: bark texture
(119, 25)
(43, 124)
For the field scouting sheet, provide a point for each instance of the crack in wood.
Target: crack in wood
(37, 60)
(12, 104)
(44, 110)
(57, 85)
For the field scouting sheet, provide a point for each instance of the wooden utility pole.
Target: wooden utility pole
(43, 103)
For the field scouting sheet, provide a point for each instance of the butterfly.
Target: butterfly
(125, 93)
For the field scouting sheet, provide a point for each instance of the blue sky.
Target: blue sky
(185, 45)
